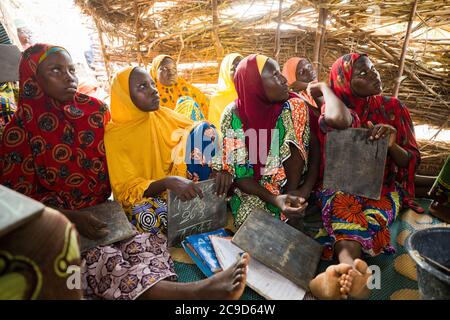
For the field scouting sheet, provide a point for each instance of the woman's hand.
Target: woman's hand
(382, 130)
(184, 188)
(223, 181)
(314, 88)
(87, 224)
(290, 205)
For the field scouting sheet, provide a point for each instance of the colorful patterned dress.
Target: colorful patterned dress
(55, 153)
(350, 217)
(293, 128)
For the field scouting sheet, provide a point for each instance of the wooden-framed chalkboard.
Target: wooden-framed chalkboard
(353, 163)
(16, 209)
(280, 247)
(195, 216)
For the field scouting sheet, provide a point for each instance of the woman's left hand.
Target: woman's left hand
(223, 181)
(382, 130)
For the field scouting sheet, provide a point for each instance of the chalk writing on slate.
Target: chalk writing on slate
(353, 163)
(197, 215)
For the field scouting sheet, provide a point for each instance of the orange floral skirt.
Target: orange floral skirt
(350, 217)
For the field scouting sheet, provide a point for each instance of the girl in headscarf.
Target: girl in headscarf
(141, 144)
(299, 72)
(146, 153)
(354, 225)
(272, 167)
(53, 151)
(226, 93)
(171, 87)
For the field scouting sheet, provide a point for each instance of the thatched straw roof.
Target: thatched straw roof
(136, 31)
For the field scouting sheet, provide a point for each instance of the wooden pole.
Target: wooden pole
(277, 36)
(405, 47)
(215, 31)
(105, 54)
(320, 32)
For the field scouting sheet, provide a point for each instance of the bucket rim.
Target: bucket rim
(419, 261)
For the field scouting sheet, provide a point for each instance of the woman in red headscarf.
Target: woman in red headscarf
(354, 225)
(53, 151)
(267, 145)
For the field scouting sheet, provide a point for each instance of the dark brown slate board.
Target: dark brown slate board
(280, 247)
(197, 215)
(354, 164)
(113, 215)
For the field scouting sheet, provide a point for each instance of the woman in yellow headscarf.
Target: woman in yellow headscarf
(226, 93)
(171, 88)
(145, 146)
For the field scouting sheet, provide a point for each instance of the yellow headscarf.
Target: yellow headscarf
(226, 93)
(170, 94)
(139, 145)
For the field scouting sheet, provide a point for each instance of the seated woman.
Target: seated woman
(353, 225)
(299, 72)
(273, 168)
(53, 151)
(145, 146)
(226, 93)
(171, 87)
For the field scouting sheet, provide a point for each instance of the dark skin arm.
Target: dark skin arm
(187, 189)
(312, 174)
(336, 113)
(400, 155)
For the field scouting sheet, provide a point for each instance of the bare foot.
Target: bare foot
(360, 275)
(333, 284)
(225, 285)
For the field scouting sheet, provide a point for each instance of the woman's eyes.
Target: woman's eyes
(362, 73)
(56, 70)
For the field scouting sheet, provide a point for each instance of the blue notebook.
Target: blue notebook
(200, 249)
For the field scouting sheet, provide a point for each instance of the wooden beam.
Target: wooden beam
(277, 36)
(319, 40)
(405, 47)
(215, 31)
(105, 54)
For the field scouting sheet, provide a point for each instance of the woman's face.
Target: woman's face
(234, 66)
(167, 72)
(143, 91)
(56, 75)
(274, 83)
(366, 80)
(305, 72)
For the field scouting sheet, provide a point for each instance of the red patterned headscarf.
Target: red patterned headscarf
(51, 151)
(378, 109)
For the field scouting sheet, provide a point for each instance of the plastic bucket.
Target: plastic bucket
(433, 243)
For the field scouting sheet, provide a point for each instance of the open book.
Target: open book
(260, 278)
